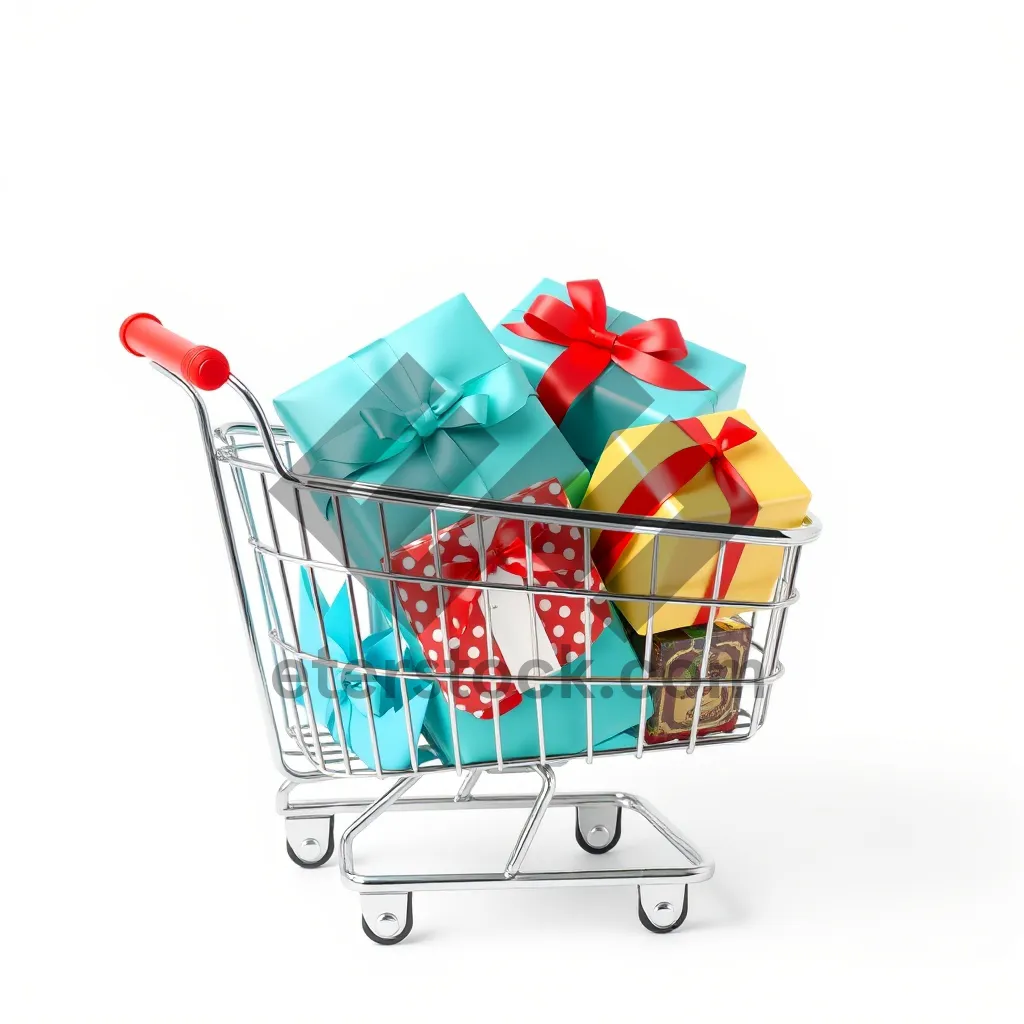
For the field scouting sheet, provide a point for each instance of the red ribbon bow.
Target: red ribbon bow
(507, 551)
(558, 560)
(671, 476)
(648, 351)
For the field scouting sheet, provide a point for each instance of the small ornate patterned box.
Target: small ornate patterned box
(677, 655)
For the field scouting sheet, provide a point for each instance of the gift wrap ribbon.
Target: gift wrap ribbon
(386, 705)
(430, 420)
(669, 477)
(649, 351)
(557, 561)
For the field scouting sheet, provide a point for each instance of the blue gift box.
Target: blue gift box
(436, 406)
(617, 400)
(385, 706)
(616, 710)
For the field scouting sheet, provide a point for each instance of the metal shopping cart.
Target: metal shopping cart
(268, 550)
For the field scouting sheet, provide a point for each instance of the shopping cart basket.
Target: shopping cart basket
(255, 462)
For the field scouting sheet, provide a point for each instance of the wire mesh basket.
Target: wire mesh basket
(286, 535)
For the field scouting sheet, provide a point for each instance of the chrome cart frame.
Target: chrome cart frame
(257, 463)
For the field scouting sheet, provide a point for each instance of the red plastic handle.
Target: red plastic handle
(203, 367)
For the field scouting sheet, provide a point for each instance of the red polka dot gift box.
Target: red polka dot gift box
(473, 634)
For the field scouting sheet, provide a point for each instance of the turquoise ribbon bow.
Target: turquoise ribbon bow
(382, 697)
(412, 415)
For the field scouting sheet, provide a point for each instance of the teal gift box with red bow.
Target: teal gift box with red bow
(436, 406)
(598, 369)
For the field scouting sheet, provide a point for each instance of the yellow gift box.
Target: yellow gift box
(718, 468)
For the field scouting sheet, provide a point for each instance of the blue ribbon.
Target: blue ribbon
(412, 415)
(385, 704)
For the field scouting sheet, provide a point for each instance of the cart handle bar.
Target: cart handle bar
(199, 365)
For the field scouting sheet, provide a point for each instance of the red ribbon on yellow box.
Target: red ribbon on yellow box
(670, 476)
(648, 351)
(715, 468)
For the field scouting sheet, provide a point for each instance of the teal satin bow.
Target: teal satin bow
(413, 416)
(386, 704)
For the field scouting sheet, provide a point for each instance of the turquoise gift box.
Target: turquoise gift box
(616, 709)
(386, 705)
(436, 406)
(617, 400)
(563, 700)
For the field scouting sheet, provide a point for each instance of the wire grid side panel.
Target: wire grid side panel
(284, 604)
(325, 600)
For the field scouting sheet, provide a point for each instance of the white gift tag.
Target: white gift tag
(513, 617)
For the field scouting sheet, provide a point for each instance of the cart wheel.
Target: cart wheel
(310, 841)
(387, 919)
(662, 908)
(597, 829)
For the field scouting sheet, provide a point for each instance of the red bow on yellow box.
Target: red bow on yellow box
(671, 476)
(715, 468)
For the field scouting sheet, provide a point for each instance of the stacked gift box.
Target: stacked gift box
(566, 403)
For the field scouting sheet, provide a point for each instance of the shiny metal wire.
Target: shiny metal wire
(246, 457)
(271, 540)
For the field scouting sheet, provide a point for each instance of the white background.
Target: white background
(829, 192)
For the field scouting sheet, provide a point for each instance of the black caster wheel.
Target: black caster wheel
(596, 830)
(388, 927)
(656, 916)
(313, 847)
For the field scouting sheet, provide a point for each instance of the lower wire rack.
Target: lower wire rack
(387, 900)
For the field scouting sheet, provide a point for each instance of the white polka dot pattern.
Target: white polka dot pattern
(562, 617)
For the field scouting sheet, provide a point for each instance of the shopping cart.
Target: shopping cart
(256, 462)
